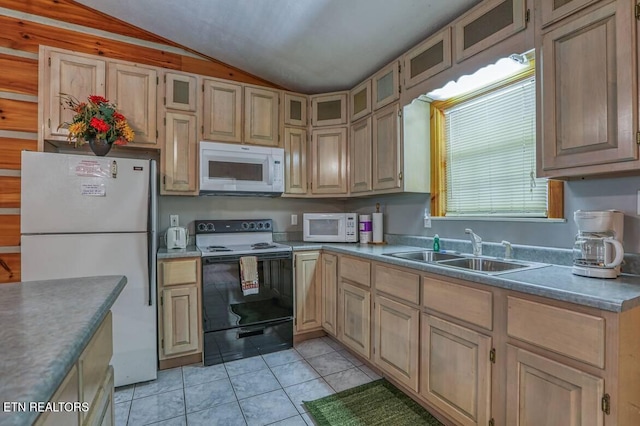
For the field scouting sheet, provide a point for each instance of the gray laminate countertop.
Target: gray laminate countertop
(44, 327)
(190, 251)
(553, 281)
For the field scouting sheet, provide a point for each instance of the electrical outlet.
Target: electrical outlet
(174, 219)
(294, 219)
(427, 222)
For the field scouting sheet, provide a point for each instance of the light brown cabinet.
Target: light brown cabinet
(71, 74)
(386, 85)
(222, 114)
(589, 100)
(180, 91)
(428, 58)
(133, 89)
(360, 100)
(541, 391)
(261, 108)
(360, 156)
(354, 318)
(386, 148)
(554, 10)
(329, 299)
(456, 371)
(329, 109)
(308, 290)
(488, 23)
(397, 336)
(329, 161)
(295, 160)
(179, 308)
(179, 155)
(295, 109)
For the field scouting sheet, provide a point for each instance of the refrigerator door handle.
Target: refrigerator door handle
(152, 228)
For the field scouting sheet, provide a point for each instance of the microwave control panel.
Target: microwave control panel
(351, 227)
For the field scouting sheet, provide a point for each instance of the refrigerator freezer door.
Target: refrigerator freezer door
(80, 255)
(77, 193)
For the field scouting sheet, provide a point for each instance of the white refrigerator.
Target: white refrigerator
(84, 216)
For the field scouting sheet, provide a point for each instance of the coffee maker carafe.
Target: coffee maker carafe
(598, 251)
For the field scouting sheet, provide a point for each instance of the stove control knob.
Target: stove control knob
(202, 227)
(252, 225)
(260, 225)
(267, 225)
(245, 225)
(210, 227)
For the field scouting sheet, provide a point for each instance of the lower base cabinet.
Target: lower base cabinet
(545, 392)
(354, 318)
(308, 291)
(179, 309)
(456, 371)
(396, 337)
(329, 299)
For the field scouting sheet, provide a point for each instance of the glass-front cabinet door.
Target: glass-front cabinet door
(487, 24)
(329, 109)
(386, 85)
(295, 110)
(360, 100)
(428, 58)
(180, 91)
(554, 10)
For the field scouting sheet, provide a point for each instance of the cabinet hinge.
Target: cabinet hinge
(492, 422)
(295, 321)
(161, 301)
(49, 121)
(164, 180)
(527, 15)
(399, 88)
(202, 129)
(164, 79)
(202, 87)
(492, 355)
(50, 56)
(164, 121)
(157, 81)
(606, 404)
(162, 344)
(638, 138)
(637, 13)
(157, 134)
(164, 101)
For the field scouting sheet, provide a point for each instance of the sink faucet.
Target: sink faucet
(476, 242)
(507, 249)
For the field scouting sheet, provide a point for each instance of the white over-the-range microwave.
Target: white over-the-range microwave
(330, 227)
(233, 169)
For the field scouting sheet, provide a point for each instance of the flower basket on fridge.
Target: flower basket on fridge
(97, 122)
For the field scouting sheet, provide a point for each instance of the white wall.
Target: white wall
(215, 207)
(403, 215)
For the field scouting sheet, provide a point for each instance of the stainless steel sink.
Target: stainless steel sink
(485, 265)
(427, 256)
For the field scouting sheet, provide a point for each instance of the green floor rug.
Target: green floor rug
(375, 403)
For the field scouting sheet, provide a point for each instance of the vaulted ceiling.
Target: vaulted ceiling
(310, 46)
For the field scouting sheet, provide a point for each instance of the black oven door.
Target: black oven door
(223, 304)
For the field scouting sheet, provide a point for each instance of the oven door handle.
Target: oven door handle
(242, 333)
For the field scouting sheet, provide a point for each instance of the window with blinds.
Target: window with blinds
(491, 155)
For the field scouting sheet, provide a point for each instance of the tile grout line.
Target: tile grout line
(235, 394)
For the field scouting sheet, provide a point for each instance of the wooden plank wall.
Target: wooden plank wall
(20, 39)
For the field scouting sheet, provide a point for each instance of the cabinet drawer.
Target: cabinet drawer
(179, 272)
(404, 285)
(447, 298)
(566, 332)
(94, 361)
(355, 270)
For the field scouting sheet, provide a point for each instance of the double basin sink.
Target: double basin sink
(485, 265)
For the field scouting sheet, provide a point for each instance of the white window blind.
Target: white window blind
(490, 143)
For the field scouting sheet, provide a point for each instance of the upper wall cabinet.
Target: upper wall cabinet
(222, 120)
(589, 101)
(553, 10)
(179, 155)
(487, 24)
(295, 160)
(261, 116)
(360, 100)
(386, 148)
(386, 85)
(180, 92)
(329, 161)
(329, 109)
(133, 89)
(428, 58)
(74, 75)
(295, 110)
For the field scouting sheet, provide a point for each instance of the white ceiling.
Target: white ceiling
(310, 46)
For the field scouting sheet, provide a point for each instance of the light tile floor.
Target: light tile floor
(262, 390)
